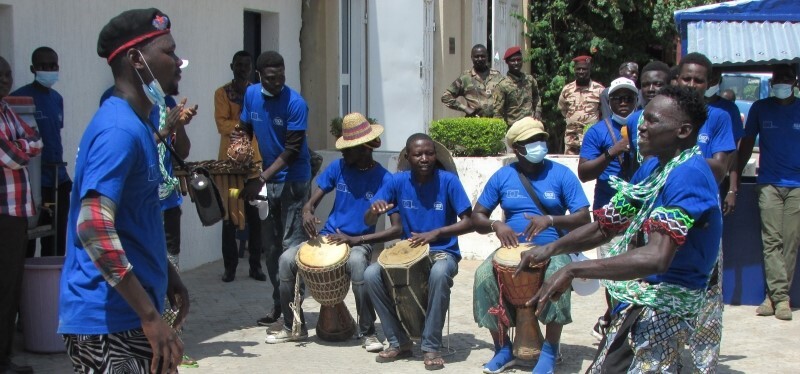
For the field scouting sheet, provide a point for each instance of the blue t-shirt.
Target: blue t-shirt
(270, 119)
(716, 134)
(117, 157)
(49, 121)
(778, 127)
(435, 204)
(354, 190)
(692, 188)
(595, 142)
(737, 127)
(174, 199)
(556, 186)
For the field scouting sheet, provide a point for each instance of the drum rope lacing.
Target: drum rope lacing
(295, 307)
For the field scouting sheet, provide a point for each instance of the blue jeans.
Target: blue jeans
(356, 265)
(283, 227)
(440, 279)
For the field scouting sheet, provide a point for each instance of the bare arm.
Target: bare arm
(745, 151)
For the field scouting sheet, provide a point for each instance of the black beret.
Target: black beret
(130, 28)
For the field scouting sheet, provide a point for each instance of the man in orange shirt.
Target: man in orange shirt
(227, 107)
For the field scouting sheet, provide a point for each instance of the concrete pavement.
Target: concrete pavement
(221, 334)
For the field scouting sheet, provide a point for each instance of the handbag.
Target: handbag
(529, 188)
(205, 193)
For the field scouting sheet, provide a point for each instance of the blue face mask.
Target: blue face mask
(620, 119)
(47, 78)
(782, 91)
(153, 91)
(535, 152)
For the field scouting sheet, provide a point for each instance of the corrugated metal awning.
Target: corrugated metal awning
(734, 43)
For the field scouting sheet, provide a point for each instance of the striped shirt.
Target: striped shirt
(18, 143)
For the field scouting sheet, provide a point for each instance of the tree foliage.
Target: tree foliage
(611, 31)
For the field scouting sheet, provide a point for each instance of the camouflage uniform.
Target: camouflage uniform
(517, 97)
(580, 107)
(476, 92)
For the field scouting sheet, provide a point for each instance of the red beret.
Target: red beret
(583, 59)
(512, 51)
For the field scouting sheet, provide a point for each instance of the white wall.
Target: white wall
(207, 33)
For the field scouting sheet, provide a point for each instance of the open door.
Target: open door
(352, 57)
(506, 30)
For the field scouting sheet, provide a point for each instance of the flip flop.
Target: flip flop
(393, 354)
(433, 361)
(188, 362)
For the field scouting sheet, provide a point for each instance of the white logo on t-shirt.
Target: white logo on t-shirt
(438, 205)
(702, 138)
(550, 195)
(369, 195)
(277, 121)
(514, 194)
(769, 125)
(254, 116)
(341, 187)
(796, 126)
(409, 204)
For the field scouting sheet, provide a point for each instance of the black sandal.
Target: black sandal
(393, 354)
(433, 361)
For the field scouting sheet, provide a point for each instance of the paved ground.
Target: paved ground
(221, 335)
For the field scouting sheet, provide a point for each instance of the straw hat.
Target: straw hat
(443, 159)
(356, 130)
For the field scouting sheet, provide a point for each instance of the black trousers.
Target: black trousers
(172, 230)
(45, 218)
(230, 251)
(14, 234)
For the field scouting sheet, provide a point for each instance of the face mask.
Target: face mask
(47, 78)
(263, 90)
(620, 119)
(711, 91)
(782, 91)
(535, 152)
(153, 91)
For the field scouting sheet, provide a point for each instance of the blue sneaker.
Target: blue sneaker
(547, 360)
(502, 360)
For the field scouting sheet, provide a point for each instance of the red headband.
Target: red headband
(134, 42)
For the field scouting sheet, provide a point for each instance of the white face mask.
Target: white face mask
(620, 119)
(153, 91)
(263, 90)
(535, 152)
(47, 78)
(711, 91)
(782, 91)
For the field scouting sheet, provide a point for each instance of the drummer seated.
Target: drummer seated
(558, 190)
(429, 202)
(356, 177)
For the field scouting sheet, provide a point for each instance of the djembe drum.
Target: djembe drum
(517, 291)
(322, 266)
(405, 274)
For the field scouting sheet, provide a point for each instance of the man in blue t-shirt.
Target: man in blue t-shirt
(278, 118)
(538, 220)
(661, 285)
(355, 178)
(434, 209)
(49, 121)
(605, 153)
(776, 120)
(730, 185)
(116, 275)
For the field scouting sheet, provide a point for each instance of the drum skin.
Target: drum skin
(517, 291)
(322, 266)
(405, 274)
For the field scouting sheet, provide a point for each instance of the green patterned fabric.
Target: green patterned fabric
(169, 182)
(486, 294)
(674, 299)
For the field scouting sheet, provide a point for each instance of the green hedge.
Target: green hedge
(471, 137)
